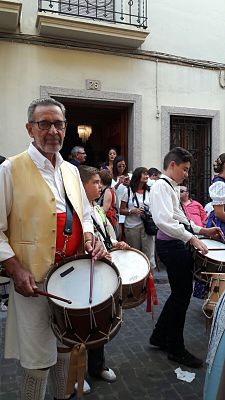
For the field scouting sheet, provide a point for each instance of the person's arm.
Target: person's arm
(219, 212)
(107, 200)
(166, 212)
(120, 181)
(23, 279)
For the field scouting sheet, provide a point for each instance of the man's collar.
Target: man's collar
(41, 160)
(174, 183)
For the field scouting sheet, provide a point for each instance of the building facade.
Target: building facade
(146, 75)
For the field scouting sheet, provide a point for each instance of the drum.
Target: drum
(213, 261)
(134, 268)
(216, 289)
(81, 322)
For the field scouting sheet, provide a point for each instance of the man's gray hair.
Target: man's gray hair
(43, 102)
(75, 150)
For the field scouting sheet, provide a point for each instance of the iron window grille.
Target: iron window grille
(127, 12)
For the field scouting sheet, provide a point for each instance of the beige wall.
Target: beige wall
(24, 68)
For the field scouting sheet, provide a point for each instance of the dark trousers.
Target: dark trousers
(179, 263)
(96, 361)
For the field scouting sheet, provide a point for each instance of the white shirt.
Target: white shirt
(53, 178)
(133, 220)
(119, 194)
(166, 211)
(97, 217)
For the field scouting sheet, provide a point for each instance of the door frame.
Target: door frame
(132, 101)
(167, 111)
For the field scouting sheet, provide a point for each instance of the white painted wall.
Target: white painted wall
(24, 68)
(193, 29)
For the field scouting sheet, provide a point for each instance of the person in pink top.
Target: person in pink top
(193, 209)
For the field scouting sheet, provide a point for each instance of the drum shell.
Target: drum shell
(74, 326)
(217, 287)
(207, 264)
(134, 294)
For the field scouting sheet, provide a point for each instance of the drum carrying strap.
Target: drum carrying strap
(187, 227)
(76, 369)
(69, 217)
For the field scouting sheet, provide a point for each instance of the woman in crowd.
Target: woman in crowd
(135, 202)
(193, 209)
(217, 194)
(107, 200)
(119, 182)
(112, 154)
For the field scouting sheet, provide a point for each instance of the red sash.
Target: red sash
(74, 240)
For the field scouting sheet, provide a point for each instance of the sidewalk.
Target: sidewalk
(143, 372)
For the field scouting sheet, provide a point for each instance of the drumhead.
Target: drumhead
(132, 265)
(218, 256)
(213, 244)
(75, 286)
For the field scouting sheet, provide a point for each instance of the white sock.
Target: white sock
(34, 384)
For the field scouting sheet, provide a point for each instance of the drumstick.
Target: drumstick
(52, 296)
(91, 272)
(221, 234)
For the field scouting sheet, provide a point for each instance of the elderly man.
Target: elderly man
(78, 156)
(32, 238)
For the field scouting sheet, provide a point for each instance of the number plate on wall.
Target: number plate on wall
(93, 84)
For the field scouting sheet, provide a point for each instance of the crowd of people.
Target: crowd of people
(110, 208)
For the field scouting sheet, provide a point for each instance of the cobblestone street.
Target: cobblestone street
(142, 372)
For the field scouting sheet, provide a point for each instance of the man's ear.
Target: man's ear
(29, 129)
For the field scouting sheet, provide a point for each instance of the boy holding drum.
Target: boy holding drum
(104, 232)
(175, 232)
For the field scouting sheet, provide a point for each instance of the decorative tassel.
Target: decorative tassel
(151, 294)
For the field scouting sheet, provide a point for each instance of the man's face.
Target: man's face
(93, 188)
(47, 141)
(179, 172)
(81, 156)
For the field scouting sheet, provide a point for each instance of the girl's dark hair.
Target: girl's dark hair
(107, 159)
(115, 162)
(179, 155)
(136, 177)
(219, 163)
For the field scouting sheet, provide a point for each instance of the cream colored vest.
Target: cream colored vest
(32, 221)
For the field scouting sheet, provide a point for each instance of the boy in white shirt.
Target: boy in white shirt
(175, 231)
(92, 185)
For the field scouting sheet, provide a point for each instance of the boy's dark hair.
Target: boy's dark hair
(86, 173)
(154, 171)
(179, 155)
(106, 177)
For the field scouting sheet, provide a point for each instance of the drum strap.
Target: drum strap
(106, 237)
(76, 369)
(187, 227)
(69, 217)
